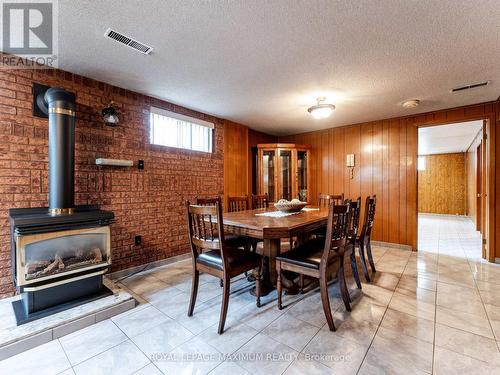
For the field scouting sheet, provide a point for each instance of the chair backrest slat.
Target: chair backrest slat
(324, 200)
(336, 232)
(208, 201)
(369, 217)
(260, 201)
(355, 213)
(237, 204)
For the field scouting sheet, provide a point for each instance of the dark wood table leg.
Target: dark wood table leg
(266, 286)
(271, 250)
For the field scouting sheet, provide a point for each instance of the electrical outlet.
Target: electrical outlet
(138, 240)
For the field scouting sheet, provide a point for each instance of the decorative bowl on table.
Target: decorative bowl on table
(289, 206)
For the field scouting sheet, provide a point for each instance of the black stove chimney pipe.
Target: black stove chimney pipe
(62, 112)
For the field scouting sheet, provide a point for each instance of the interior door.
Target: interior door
(479, 186)
(487, 150)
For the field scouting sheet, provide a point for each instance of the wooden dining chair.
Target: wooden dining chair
(232, 240)
(324, 200)
(208, 201)
(352, 235)
(237, 204)
(320, 258)
(212, 255)
(321, 232)
(260, 201)
(363, 241)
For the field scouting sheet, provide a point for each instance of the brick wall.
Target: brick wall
(147, 202)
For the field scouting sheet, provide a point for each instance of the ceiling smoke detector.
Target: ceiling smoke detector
(470, 86)
(129, 42)
(411, 103)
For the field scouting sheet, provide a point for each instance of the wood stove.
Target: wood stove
(59, 254)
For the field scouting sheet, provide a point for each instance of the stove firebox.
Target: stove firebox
(58, 261)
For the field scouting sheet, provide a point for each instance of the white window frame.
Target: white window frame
(421, 163)
(184, 118)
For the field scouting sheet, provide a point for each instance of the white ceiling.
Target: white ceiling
(446, 139)
(262, 63)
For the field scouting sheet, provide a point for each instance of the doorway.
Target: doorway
(452, 181)
(479, 184)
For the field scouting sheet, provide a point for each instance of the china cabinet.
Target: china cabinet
(283, 171)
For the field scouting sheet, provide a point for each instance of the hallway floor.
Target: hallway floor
(435, 311)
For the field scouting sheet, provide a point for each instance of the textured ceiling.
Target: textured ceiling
(446, 139)
(262, 63)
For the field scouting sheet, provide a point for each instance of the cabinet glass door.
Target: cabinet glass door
(268, 164)
(285, 174)
(302, 175)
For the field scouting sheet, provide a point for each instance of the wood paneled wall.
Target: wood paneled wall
(238, 143)
(386, 153)
(496, 177)
(235, 159)
(442, 184)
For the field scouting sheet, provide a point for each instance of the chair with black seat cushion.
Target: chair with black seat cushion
(352, 235)
(232, 240)
(363, 241)
(260, 201)
(329, 199)
(208, 201)
(212, 255)
(320, 258)
(237, 204)
(324, 200)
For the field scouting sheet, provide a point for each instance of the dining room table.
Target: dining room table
(271, 226)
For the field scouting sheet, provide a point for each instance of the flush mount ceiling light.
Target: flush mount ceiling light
(411, 103)
(321, 110)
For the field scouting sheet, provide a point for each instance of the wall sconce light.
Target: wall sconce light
(350, 163)
(110, 115)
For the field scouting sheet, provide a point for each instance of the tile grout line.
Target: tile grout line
(301, 351)
(458, 329)
(66, 355)
(436, 303)
(486, 312)
(305, 346)
(104, 351)
(383, 316)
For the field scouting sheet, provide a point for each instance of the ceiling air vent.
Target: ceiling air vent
(129, 42)
(471, 86)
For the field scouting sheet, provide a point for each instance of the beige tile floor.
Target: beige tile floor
(435, 311)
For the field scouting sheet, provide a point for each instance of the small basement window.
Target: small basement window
(175, 130)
